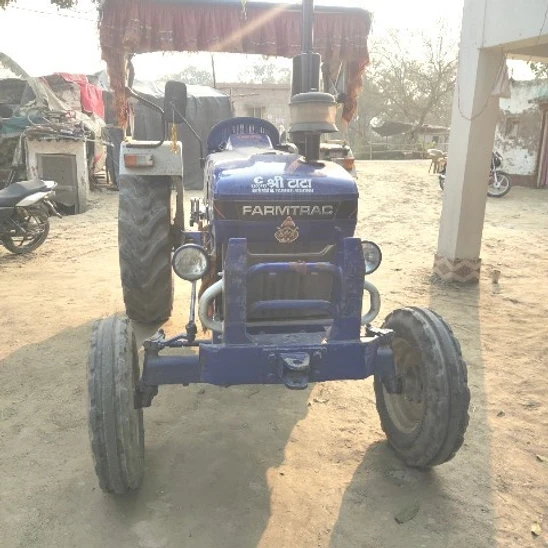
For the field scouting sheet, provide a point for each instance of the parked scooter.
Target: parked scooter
(499, 181)
(25, 208)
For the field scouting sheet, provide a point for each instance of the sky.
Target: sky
(43, 39)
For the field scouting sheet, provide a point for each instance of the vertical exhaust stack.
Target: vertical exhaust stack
(312, 112)
(306, 66)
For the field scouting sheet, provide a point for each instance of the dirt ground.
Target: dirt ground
(264, 466)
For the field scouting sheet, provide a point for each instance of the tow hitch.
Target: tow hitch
(295, 370)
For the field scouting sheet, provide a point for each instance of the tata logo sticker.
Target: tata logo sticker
(281, 185)
(288, 232)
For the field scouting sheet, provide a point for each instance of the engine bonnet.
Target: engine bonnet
(251, 174)
(264, 195)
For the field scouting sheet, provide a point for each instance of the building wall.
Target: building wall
(510, 22)
(519, 128)
(75, 190)
(267, 101)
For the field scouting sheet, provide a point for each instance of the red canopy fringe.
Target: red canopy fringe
(141, 26)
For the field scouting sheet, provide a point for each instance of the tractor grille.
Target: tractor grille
(290, 285)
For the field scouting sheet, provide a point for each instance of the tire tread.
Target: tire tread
(441, 433)
(145, 244)
(118, 458)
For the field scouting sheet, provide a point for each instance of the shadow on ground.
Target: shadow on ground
(208, 450)
(383, 487)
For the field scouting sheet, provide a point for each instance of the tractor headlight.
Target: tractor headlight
(372, 256)
(190, 262)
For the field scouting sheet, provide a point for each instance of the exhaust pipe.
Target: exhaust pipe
(209, 295)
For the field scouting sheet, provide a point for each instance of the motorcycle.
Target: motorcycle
(499, 182)
(25, 209)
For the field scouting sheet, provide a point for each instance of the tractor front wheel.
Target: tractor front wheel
(145, 244)
(425, 422)
(115, 425)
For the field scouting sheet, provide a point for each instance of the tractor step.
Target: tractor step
(295, 370)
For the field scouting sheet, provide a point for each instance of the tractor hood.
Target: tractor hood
(268, 196)
(273, 175)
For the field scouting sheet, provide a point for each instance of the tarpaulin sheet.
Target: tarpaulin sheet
(205, 108)
(91, 96)
(140, 26)
(13, 127)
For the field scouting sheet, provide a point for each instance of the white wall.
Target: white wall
(516, 160)
(522, 93)
(76, 148)
(520, 151)
(514, 22)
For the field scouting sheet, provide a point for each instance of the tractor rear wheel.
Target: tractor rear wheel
(115, 426)
(424, 423)
(145, 245)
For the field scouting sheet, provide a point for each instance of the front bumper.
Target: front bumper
(226, 365)
(290, 353)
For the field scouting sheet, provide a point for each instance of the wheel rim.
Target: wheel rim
(34, 225)
(407, 408)
(500, 185)
(137, 425)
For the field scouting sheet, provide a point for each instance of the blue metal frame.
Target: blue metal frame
(239, 359)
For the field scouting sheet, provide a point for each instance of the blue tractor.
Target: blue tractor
(283, 274)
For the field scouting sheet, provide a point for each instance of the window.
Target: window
(512, 127)
(256, 112)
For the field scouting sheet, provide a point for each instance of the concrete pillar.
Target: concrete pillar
(473, 125)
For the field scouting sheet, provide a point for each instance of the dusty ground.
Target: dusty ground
(263, 466)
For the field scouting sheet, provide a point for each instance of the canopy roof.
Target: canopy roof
(141, 26)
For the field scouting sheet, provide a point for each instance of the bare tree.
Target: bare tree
(265, 71)
(412, 77)
(540, 70)
(192, 75)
